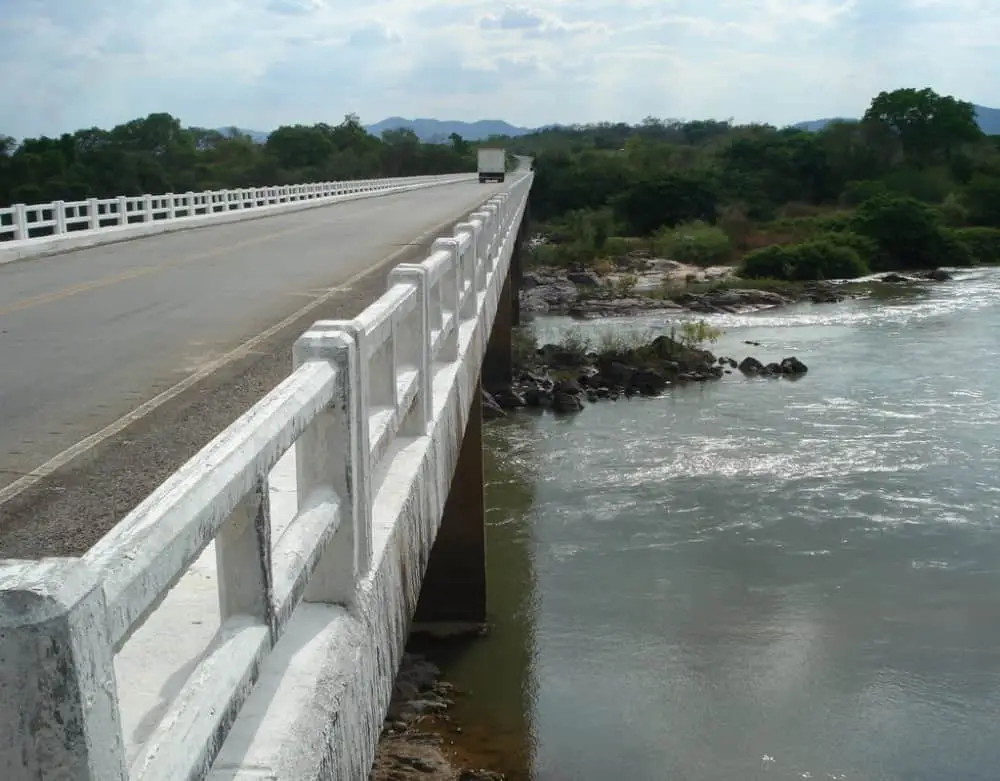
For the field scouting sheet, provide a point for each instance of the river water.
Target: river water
(757, 579)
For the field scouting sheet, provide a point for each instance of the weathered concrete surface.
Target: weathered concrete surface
(317, 710)
(86, 337)
(57, 678)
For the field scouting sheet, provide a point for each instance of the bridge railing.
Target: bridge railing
(358, 389)
(27, 221)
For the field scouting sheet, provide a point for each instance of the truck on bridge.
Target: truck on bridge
(492, 164)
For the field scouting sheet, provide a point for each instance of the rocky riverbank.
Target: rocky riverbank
(564, 378)
(414, 742)
(641, 285)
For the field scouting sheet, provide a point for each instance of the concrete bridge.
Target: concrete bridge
(245, 620)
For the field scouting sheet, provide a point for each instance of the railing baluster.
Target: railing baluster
(243, 558)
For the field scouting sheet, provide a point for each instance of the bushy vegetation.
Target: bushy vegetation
(808, 261)
(158, 155)
(900, 189)
(697, 243)
(982, 244)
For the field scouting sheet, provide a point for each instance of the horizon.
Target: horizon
(269, 63)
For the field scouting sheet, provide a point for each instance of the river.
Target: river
(757, 579)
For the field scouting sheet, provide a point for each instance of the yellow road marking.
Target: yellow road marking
(96, 284)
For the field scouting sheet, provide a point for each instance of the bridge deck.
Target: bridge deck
(89, 336)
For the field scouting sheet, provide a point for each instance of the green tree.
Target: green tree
(926, 123)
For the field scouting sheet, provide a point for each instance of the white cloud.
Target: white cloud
(260, 63)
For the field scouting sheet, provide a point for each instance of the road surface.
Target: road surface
(88, 337)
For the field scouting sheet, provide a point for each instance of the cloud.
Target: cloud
(261, 63)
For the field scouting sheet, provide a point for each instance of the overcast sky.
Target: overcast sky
(261, 63)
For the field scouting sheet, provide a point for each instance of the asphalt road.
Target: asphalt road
(89, 336)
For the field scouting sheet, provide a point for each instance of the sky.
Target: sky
(259, 64)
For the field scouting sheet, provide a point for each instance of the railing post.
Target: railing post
(482, 243)
(20, 221)
(495, 221)
(60, 716)
(243, 558)
(122, 210)
(59, 215)
(450, 293)
(147, 208)
(94, 213)
(332, 457)
(416, 275)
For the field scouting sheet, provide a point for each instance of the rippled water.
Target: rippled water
(759, 579)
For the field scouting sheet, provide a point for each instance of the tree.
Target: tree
(926, 123)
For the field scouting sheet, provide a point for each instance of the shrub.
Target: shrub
(772, 262)
(695, 242)
(695, 334)
(866, 247)
(952, 251)
(928, 184)
(953, 212)
(983, 244)
(906, 231)
(734, 221)
(860, 191)
(803, 228)
(810, 260)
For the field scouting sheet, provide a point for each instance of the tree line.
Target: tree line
(914, 182)
(159, 155)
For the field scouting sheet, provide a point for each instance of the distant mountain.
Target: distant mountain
(432, 131)
(257, 135)
(814, 125)
(438, 131)
(988, 118)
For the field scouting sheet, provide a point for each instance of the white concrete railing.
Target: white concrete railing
(361, 389)
(24, 221)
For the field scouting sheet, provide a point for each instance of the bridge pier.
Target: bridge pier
(453, 595)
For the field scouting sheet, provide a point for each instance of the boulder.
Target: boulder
(508, 398)
(938, 275)
(584, 278)
(793, 365)
(566, 402)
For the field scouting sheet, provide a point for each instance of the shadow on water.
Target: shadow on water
(495, 675)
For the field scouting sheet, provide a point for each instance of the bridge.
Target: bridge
(245, 620)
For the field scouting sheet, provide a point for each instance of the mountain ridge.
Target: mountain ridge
(431, 130)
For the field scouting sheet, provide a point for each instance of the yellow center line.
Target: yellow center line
(84, 287)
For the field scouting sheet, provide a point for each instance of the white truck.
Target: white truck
(492, 164)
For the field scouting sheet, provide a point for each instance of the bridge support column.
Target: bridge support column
(517, 267)
(453, 595)
(498, 364)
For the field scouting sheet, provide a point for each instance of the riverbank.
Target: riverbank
(418, 736)
(639, 284)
